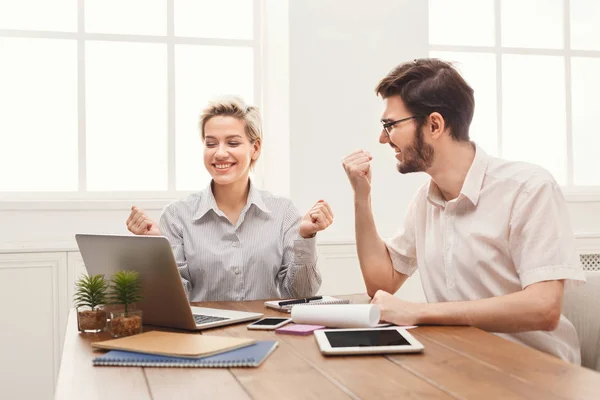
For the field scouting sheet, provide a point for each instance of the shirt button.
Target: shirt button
(237, 270)
(236, 244)
(300, 253)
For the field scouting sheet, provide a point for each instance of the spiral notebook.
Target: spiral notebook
(274, 304)
(249, 356)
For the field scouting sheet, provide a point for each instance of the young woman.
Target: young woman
(233, 241)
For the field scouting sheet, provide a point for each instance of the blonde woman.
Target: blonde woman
(233, 241)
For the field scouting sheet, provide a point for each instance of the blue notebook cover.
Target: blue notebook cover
(249, 356)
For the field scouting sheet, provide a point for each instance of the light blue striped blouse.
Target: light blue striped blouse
(262, 257)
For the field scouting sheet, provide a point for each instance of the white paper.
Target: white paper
(338, 315)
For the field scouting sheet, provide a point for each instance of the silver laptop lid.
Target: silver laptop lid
(165, 302)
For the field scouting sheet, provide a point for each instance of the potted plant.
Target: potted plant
(126, 290)
(90, 297)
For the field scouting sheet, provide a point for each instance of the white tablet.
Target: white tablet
(367, 341)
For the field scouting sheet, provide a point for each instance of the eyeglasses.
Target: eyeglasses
(388, 126)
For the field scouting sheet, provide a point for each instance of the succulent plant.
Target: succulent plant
(91, 291)
(125, 288)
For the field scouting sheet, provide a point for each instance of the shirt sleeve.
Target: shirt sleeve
(171, 228)
(402, 246)
(298, 275)
(541, 239)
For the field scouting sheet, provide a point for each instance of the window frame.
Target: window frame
(573, 193)
(96, 200)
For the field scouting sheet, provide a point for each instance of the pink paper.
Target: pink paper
(299, 329)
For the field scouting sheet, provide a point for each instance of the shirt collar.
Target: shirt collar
(208, 202)
(471, 188)
(434, 195)
(474, 180)
(255, 197)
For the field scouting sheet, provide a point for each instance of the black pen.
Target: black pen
(299, 301)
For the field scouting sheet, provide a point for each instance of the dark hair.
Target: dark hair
(430, 85)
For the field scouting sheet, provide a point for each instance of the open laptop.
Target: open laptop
(165, 302)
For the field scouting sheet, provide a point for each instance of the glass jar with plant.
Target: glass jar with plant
(90, 298)
(125, 290)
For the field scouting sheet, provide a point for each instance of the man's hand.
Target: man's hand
(358, 168)
(316, 219)
(396, 311)
(140, 224)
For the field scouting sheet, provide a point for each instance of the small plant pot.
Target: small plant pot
(91, 321)
(125, 323)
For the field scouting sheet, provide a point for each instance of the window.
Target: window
(101, 98)
(533, 65)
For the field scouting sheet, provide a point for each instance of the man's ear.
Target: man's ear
(436, 125)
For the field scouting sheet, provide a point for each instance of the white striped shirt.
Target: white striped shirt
(262, 257)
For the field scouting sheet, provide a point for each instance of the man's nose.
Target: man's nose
(383, 137)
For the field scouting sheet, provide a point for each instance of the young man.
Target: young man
(491, 238)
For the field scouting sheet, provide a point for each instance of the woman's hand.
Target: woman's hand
(140, 224)
(318, 218)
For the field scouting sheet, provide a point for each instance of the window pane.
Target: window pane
(532, 23)
(451, 22)
(135, 17)
(586, 141)
(479, 70)
(126, 116)
(38, 104)
(225, 19)
(200, 78)
(40, 15)
(533, 111)
(585, 29)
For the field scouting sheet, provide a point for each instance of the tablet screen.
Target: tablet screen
(387, 337)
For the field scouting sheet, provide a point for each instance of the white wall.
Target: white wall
(338, 53)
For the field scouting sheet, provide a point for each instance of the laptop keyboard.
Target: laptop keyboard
(205, 319)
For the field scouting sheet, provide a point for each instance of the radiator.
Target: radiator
(590, 262)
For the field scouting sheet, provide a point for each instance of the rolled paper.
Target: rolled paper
(337, 315)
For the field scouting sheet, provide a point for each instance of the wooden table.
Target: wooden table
(458, 363)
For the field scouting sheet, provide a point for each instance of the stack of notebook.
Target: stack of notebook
(167, 349)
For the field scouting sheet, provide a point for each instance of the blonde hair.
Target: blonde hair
(233, 106)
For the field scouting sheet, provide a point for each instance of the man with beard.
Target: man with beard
(491, 238)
